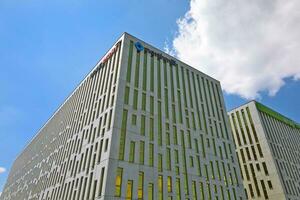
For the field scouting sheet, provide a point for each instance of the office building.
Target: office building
(141, 125)
(267, 145)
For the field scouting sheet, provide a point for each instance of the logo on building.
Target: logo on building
(139, 46)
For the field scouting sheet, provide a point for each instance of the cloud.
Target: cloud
(250, 46)
(2, 170)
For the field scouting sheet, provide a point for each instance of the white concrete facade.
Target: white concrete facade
(141, 125)
(267, 145)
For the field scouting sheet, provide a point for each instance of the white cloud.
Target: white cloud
(250, 46)
(2, 170)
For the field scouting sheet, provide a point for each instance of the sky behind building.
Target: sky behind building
(47, 49)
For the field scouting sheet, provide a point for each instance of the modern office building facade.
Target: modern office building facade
(141, 125)
(267, 144)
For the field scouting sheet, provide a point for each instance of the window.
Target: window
(160, 187)
(128, 76)
(175, 135)
(145, 72)
(129, 189)
(126, 96)
(166, 103)
(165, 73)
(193, 121)
(206, 172)
(228, 194)
(141, 185)
(151, 105)
(265, 168)
(133, 119)
(243, 156)
(225, 149)
(247, 172)
(123, 135)
(172, 83)
(118, 182)
(199, 166)
(94, 189)
(247, 128)
(160, 162)
(106, 145)
(254, 153)
(201, 190)
(144, 101)
(236, 177)
(167, 138)
(270, 185)
(132, 151)
(169, 184)
(209, 192)
(151, 130)
(176, 156)
(264, 189)
(178, 192)
(256, 187)
(241, 127)
(135, 99)
(189, 139)
(260, 151)
(252, 125)
(212, 170)
(257, 167)
(218, 168)
(191, 161)
(150, 191)
(168, 158)
(159, 124)
(173, 113)
(194, 190)
(248, 154)
(196, 145)
(224, 173)
(142, 152)
(203, 148)
(143, 119)
(251, 190)
(152, 75)
(151, 154)
(158, 80)
(101, 181)
(179, 106)
(137, 70)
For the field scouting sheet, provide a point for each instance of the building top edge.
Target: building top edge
(269, 111)
(276, 115)
(68, 96)
(168, 55)
(238, 107)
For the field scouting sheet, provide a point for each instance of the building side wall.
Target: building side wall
(172, 138)
(284, 141)
(259, 173)
(68, 158)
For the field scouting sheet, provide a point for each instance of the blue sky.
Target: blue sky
(47, 48)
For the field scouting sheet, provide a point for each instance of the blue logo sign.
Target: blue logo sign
(139, 47)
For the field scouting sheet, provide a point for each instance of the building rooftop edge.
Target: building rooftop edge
(236, 107)
(152, 46)
(276, 115)
(269, 111)
(69, 95)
